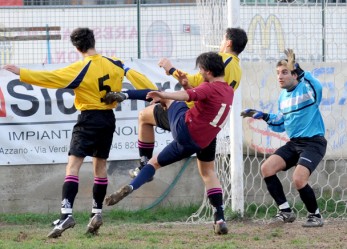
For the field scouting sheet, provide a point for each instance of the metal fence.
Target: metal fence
(174, 29)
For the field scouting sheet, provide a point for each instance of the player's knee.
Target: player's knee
(145, 116)
(207, 169)
(205, 173)
(266, 170)
(299, 182)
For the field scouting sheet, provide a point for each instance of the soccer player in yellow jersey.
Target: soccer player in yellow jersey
(233, 43)
(92, 135)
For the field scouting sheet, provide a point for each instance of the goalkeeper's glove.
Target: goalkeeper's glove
(115, 96)
(290, 58)
(292, 65)
(252, 113)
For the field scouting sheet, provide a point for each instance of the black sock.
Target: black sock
(146, 149)
(309, 199)
(69, 192)
(215, 196)
(99, 193)
(275, 189)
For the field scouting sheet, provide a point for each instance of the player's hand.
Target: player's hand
(252, 113)
(292, 65)
(12, 68)
(155, 96)
(166, 64)
(291, 58)
(182, 79)
(163, 103)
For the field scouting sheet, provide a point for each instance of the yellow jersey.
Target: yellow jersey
(232, 73)
(90, 79)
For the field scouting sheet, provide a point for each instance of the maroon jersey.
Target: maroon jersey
(209, 114)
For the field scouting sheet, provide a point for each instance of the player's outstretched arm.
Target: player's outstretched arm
(12, 68)
(157, 96)
(193, 80)
(138, 80)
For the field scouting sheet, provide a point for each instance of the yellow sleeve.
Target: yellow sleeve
(139, 81)
(193, 79)
(60, 78)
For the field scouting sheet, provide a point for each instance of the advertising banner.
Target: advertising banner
(36, 123)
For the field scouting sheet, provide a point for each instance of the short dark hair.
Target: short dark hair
(83, 39)
(211, 61)
(239, 38)
(285, 64)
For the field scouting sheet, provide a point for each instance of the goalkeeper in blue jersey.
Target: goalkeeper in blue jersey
(90, 79)
(299, 116)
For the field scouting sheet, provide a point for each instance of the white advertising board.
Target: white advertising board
(36, 123)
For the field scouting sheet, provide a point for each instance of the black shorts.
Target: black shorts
(161, 117)
(93, 133)
(304, 151)
(208, 153)
(162, 120)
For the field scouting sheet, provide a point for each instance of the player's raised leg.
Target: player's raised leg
(145, 174)
(153, 115)
(146, 138)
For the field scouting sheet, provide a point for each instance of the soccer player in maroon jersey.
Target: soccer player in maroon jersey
(213, 100)
(233, 43)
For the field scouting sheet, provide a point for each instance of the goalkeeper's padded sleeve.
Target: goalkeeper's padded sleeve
(298, 70)
(265, 116)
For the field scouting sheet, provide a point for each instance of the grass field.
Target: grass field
(166, 228)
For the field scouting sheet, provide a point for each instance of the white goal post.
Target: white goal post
(229, 141)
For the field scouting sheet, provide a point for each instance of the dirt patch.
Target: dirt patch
(248, 234)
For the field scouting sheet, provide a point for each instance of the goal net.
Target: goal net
(212, 22)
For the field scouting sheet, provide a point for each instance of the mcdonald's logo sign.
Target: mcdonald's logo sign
(266, 27)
